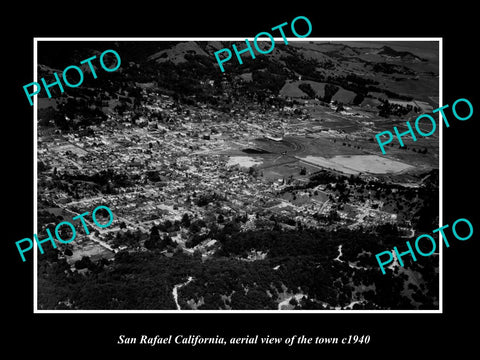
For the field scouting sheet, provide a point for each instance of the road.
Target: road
(175, 291)
(323, 205)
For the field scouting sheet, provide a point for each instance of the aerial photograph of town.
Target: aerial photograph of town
(258, 188)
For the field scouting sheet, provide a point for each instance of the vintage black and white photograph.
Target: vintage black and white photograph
(258, 188)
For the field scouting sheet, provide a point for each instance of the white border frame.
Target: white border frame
(333, 39)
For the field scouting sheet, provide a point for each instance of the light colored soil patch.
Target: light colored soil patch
(285, 303)
(92, 249)
(69, 147)
(246, 76)
(371, 163)
(328, 163)
(354, 164)
(243, 161)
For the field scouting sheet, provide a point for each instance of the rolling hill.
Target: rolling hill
(189, 68)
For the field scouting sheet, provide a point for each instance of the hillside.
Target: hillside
(353, 75)
(405, 55)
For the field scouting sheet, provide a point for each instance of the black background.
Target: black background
(63, 335)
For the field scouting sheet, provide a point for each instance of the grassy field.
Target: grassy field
(285, 170)
(344, 96)
(290, 89)
(371, 164)
(356, 164)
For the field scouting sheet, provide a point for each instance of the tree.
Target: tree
(307, 89)
(358, 99)
(330, 90)
(84, 263)
(166, 226)
(167, 241)
(153, 241)
(185, 220)
(196, 225)
(333, 216)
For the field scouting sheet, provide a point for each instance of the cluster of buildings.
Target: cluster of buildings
(168, 161)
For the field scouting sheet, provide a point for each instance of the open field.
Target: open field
(296, 146)
(69, 147)
(329, 164)
(291, 89)
(286, 169)
(354, 164)
(88, 248)
(243, 161)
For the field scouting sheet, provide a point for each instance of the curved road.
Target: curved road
(175, 291)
